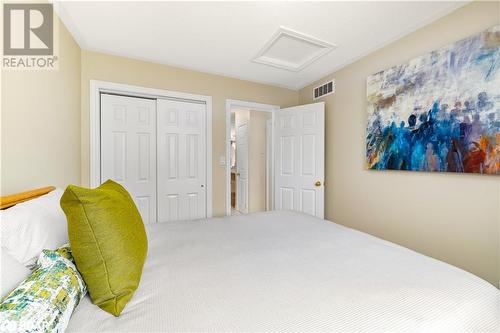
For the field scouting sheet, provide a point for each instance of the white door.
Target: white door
(128, 148)
(242, 166)
(182, 150)
(300, 159)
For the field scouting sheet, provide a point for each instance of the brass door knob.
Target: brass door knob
(237, 174)
(317, 184)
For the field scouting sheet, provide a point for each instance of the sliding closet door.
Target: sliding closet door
(128, 148)
(181, 160)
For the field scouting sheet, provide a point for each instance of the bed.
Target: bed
(285, 271)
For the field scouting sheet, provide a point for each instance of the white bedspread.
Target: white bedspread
(284, 271)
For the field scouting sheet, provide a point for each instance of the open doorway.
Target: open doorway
(250, 157)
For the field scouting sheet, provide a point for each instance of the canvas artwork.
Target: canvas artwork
(440, 111)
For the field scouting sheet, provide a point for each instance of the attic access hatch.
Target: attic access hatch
(292, 50)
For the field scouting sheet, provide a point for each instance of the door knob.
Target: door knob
(317, 184)
(237, 174)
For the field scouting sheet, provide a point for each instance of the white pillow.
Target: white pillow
(32, 226)
(12, 273)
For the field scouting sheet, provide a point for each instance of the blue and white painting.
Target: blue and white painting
(440, 111)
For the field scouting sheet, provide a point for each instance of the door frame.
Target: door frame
(269, 165)
(232, 104)
(97, 87)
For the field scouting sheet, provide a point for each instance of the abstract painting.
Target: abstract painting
(440, 111)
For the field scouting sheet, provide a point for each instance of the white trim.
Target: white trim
(269, 165)
(97, 87)
(244, 105)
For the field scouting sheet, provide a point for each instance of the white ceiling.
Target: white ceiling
(224, 37)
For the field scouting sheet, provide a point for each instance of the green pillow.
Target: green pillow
(108, 242)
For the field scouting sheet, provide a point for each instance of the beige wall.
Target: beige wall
(123, 70)
(455, 218)
(40, 123)
(257, 161)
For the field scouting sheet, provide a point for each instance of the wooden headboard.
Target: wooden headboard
(11, 200)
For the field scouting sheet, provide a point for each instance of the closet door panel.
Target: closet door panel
(128, 148)
(181, 160)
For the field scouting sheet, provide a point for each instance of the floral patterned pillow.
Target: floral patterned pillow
(44, 301)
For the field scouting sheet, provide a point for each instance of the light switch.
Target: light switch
(222, 160)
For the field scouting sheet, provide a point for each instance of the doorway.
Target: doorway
(249, 156)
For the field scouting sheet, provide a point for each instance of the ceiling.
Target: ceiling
(226, 37)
